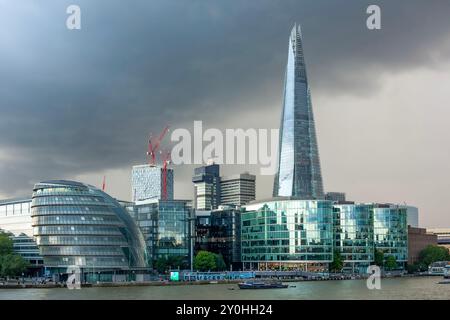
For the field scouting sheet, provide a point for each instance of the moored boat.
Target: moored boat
(262, 285)
(447, 271)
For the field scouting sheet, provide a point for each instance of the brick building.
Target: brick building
(418, 239)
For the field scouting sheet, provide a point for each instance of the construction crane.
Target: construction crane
(165, 159)
(154, 144)
(104, 183)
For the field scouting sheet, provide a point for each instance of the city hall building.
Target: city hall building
(79, 226)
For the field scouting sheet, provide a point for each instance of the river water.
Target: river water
(392, 288)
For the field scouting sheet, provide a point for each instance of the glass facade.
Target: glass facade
(165, 225)
(26, 247)
(207, 191)
(303, 234)
(219, 231)
(78, 225)
(391, 231)
(148, 183)
(299, 173)
(173, 229)
(15, 218)
(292, 233)
(353, 235)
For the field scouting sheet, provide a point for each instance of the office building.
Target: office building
(238, 189)
(15, 218)
(291, 234)
(391, 231)
(418, 239)
(219, 231)
(206, 181)
(286, 233)
(148, 183)
(299, 173)
(354, 235)
(79, 225)
(412, 216)
(335, 196)
(166, 226)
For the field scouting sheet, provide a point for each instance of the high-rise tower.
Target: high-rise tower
(206, 181)
(147, 183)
(298, 172)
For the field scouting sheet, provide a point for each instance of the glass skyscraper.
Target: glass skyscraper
(298, 172)
(207, 192)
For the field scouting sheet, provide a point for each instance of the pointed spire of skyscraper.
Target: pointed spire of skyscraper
(299, 173)
(300, 31)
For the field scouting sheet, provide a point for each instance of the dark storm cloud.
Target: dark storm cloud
(74, 102)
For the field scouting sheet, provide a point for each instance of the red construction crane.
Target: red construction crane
(153, 145)
(104, 183)
(165, 158)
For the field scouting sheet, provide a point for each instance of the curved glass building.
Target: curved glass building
(79, 225)
(353, 235)
(286, 233)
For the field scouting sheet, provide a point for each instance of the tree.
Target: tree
(390, 263)
(6, 244)
(433, 253)
(12, 265)
(412, 268)
(379, 258)
(205, 261)
(337, 264)
(161, 265)
(220, 263)
(176, 262)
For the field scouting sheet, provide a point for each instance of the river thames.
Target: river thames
(391, 288)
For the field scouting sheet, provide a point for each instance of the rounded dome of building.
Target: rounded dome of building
(79, 225)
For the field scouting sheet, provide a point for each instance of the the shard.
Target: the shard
(298, 173)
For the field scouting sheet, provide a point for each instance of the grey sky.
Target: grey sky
(80, 104)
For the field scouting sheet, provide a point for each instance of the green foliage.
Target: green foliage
(11, 264)
(164, 264)
(416, 267)
(177, 262)
(379, 258)
(433, 253)
(6, 244)
(161, 265)
(205, 261)
(337, 264)
(412, 268)
(220, 263)
(390, 263)
(209, 261)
